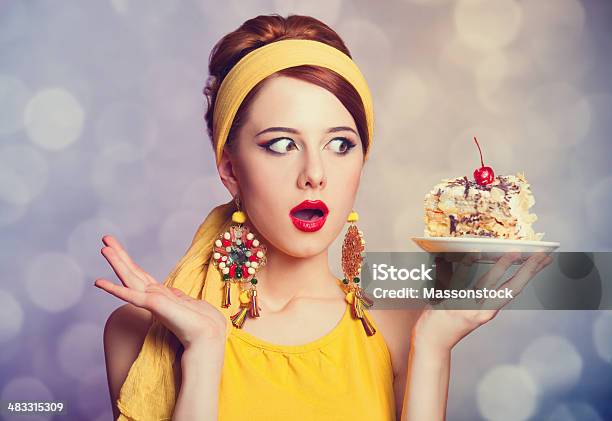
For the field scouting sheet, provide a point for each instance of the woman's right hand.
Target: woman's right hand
(194, 322)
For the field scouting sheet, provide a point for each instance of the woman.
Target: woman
(189, 349)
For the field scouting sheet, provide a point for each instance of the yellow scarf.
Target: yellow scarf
(149, 392)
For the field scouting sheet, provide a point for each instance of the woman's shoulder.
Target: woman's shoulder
(128, 319)
(395, 325)
(124, 333)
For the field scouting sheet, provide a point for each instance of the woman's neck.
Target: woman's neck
(285, 278)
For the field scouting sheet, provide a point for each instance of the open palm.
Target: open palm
(192, 321)
(448, 325)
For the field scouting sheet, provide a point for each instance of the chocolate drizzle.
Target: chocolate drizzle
(453, 223)
(501, 182)
(477, 200)
(464, 181)
(471, 218)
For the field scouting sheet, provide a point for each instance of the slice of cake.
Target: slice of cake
(460, 207)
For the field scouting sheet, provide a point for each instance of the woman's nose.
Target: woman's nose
(313, 174)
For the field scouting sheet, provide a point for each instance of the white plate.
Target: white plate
(491, 248)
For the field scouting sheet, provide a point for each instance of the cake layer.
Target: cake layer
(459, 207)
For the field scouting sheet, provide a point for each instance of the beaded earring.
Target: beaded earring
(238, 255)
(352, 257)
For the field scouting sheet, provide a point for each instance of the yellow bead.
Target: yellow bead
(239, 217)
(353, 216)
(350, 297)
(244, 297)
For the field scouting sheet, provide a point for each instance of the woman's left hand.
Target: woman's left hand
(441, 328)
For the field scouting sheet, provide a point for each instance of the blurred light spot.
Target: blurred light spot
(11, 317)
(232, 14)
(553, 362)
(125, 192)
(487, 25)
(457, 60)
(115, 177)
(12, 188)
(407, 96)
(10, 351)
(91, 382)
(120, 6)
(85, 242)
(574, 411)
(370, 47)
(132, 218)
(126, 129)
(173, 88)
(602, 336)
(54, 281)
(507, 392)
(501, 81)
(429, 2)
(26, 388)
(14, 95)
(568, 14)
(552, 31)
(54, 118)
(23, 174)
(576, 265)
(492, 71)
(325, 10)
(597, 205)
(79, 349)
(559, 109)
(156, 12)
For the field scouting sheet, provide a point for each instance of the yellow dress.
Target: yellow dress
(344, 375)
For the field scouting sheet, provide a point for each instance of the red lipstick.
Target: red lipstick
(309, 216)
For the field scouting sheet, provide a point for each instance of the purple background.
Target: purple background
(101, 132)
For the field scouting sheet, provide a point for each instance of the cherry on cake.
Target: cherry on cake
(488, 206)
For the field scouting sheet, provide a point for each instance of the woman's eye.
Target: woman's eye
(280, 145)
(341, 145)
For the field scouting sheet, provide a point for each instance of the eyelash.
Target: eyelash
(266, 146)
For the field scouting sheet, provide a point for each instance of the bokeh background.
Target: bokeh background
(102, 132)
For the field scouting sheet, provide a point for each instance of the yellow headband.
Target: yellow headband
(269, 59)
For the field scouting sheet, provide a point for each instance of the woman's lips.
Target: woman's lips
(309, 216)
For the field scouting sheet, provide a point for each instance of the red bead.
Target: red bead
(245, 271)
(248, 243)
(232, 271)
(253, 257)
(226, 243)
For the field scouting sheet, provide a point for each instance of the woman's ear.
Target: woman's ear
(227, 173)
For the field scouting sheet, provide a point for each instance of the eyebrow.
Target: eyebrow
(295, 131)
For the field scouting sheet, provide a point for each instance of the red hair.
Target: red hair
(262, 30)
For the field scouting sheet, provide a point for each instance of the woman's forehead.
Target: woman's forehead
(290, 102)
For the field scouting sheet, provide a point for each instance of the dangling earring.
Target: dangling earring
(352, 257)
(238, 255)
